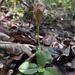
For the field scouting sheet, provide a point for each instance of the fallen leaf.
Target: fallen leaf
(67, 41)
(49, 39)
(63, 60)
(51, 50)
(4, 37)
(15, 48)
(14, 62)
(1, 65)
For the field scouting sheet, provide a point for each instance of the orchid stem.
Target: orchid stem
(37, 33)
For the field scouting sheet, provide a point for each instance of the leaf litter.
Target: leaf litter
(18, 43)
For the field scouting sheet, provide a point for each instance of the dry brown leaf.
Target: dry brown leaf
(4, 37)
(15, 48)
(49, 40)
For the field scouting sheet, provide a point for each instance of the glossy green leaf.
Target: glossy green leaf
(52, 70)
(32, 65)
(47, 73)
(23, 67)
(31, 71)
(41, 70)
(47, 56)
(40, 57)
(28, 68)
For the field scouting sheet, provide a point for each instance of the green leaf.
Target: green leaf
(12, 1)
(23, 67)
(39, 73)
(28, 68)
(59, 1)
(31, 71)
(40, 57)
(52, 70)
(42, 73)
(54, 4)
(41, 70)
(47, 73)
(47, 56)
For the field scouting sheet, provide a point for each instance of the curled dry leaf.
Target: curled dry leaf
(67, 41)
(15, 48)
(21, 37)
(64, 62)
(4, 37)
(66, 51)
(17, 57)
(14, 62)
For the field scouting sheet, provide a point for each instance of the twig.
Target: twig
(24, 3)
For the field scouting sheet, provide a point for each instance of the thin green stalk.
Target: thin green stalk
(37, 33)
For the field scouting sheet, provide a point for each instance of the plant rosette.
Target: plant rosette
(28, 68)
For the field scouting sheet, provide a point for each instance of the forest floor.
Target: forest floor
(18, 42)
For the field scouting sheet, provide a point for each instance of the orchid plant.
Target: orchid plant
(38, 13)
(43, 57)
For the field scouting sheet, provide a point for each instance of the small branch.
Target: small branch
(24, 3)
